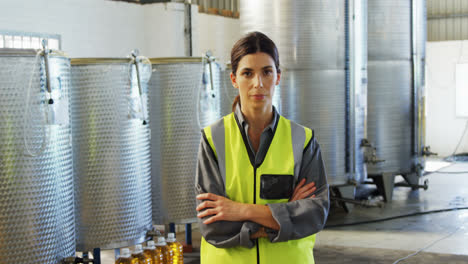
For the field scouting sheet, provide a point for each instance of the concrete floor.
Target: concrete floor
(442, 235)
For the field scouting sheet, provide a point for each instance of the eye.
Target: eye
(247, 73)
(268, 72)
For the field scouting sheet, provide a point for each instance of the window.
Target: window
(27, 40)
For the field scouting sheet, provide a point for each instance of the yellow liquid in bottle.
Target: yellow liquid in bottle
(156, 255)
(124, 261)
(168, 254)
(178, 252)
(142, 258)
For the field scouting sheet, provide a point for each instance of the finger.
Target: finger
(305, 193)
(306, 188)
(308, 193)
(207, 213)
(213, 219)
(302, 188)
(298, 186)
(309, 185)
(294, 198)
(207, 196)
(206, 204)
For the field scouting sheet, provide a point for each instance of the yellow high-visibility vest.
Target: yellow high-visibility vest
(242, 184)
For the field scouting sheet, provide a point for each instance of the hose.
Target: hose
(27, 115)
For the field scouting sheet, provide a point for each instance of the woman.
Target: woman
(262, 189)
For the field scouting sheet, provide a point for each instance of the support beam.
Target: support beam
(447, 16)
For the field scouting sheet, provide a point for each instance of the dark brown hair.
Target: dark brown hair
(252, 43)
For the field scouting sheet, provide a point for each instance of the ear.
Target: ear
(278, 78)
(234, 81)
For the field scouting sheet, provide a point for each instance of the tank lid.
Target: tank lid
(86, 61)
(28, 52)
(172, 60)
(125, 253)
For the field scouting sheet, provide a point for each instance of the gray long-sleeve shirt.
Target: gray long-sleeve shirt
(296, 219)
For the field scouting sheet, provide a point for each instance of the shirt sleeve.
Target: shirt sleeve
(304, 217)
(208, 179)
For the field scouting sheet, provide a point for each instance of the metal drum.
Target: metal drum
(36, 168)
(313, 41)
(111, 146)
(183, 100)
(396, 82)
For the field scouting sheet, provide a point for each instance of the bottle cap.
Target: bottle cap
(150, 245)
(125, 253)
(161, 241)
(138, 249)
(171, 237)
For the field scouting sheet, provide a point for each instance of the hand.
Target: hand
(221, 208)
(260, 233)
(303, 191)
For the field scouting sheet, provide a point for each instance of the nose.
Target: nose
(258, 81)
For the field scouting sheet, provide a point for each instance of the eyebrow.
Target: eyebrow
(264, 68)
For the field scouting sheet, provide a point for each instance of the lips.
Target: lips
(258, 96)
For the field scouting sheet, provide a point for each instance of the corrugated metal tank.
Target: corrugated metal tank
(182, 102)
(111, 148)
(36, 169)
(311, 39)
(396, 31)
(390, 115)
(317, 99)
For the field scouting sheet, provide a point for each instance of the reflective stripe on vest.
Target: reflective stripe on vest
(242, 184)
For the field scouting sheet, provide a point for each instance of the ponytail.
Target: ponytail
(236, 100)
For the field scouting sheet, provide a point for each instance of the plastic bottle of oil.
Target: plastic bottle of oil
(140, 256)
(166, 250)
(177, 247)
(125, 257)
(155, 253)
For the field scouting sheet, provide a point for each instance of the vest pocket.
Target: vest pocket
(276, 186)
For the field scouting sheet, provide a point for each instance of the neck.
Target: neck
(258, 118)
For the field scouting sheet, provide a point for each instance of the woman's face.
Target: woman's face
(256, 77)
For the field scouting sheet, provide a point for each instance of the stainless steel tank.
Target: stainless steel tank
(311, 36)
(183, 100)
(395, 92)
(111, 146)
(36, 168)
(389, 31)
(317, 98)
(390, 115)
